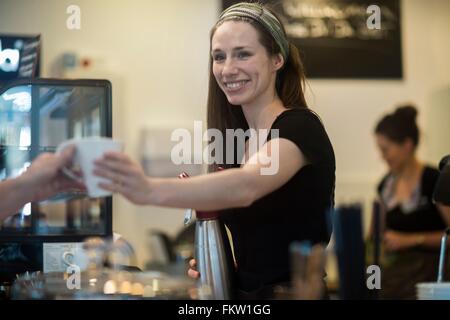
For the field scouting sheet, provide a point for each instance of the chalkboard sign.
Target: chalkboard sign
(19, 57)
(29, 60)
(343, 38)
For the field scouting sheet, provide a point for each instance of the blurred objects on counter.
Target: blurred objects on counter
(171, 254)
(108, 275)
(106, 285)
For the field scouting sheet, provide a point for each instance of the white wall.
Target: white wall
(157, 53)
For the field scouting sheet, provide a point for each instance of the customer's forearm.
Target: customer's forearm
(13, 195)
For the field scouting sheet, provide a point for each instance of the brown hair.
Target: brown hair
(400, 125)
(290, 84)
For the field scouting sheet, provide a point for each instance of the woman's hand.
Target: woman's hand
(192, 273)
(127, 177)
(396, 241)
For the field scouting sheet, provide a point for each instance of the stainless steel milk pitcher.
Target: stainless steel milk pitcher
(213, 255)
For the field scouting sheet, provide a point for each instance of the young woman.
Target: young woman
(257, 82)
(413, 224)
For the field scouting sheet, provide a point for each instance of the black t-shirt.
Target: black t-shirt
(421, 214)
(296, 211)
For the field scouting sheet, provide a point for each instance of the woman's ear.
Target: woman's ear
(408, 145)
(277, 61)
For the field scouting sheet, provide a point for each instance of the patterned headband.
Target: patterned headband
(264, 17)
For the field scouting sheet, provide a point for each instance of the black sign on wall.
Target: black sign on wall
(19, 57)
(341, 38)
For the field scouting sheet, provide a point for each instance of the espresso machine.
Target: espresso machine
(35, 116)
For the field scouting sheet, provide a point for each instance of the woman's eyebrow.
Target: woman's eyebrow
(241, 48)
(234, 49)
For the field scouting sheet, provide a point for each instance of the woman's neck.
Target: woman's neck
(410, 170)
(261, 114)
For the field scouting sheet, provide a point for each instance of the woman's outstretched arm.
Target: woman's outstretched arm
(237, 187)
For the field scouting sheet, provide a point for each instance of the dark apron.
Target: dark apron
(402, 270)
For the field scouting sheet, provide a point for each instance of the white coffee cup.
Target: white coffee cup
(87, 150)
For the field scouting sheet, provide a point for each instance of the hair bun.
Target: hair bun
(407, 112)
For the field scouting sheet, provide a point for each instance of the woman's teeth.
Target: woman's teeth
(236, 85)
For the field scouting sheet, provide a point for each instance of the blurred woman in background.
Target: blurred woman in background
(413, 224)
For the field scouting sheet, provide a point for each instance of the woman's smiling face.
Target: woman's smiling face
(242, 66)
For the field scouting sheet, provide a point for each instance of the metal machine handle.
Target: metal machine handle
(442, 255)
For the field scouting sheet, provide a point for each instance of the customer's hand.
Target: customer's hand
(43, 178)
(127, 177)
(192, 273)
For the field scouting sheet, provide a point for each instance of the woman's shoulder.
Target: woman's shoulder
(298, 117)
(382, 182)
(430, 176)
(299, 111)
(430, 170)
(303, 127)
